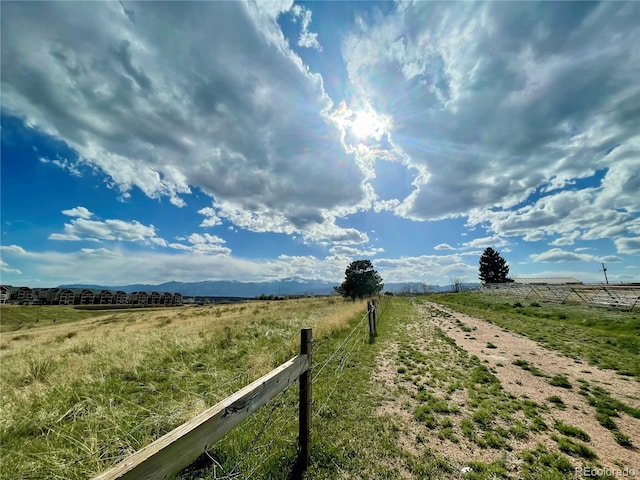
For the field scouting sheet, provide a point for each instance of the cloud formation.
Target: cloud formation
(221, 104)
(495, 101)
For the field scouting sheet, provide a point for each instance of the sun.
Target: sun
(367, 124)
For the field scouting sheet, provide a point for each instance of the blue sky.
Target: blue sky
(149, 142)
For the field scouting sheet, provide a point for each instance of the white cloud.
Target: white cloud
(485, 242)
(211, 219)
(14, 249)
(557, 255)
(81, 228)
(427, 268)
(307, 39)
(629, 246)
(204, 238)
(567, 239)
(568, 215)
(4, 267)
(353, 253)
(72, 167)
(195, 262)
(443, 246)
(79, 212)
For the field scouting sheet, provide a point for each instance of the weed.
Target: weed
(539, 425)
(423, 414)
(557, 401)
(480, 470)
(227, 339)
(38, 370)
(541, 463)
(528, 367)
(519, 431)
(66, 336)
(571, 431)
(573, 448)
(164, 322)
(481, 374)
(22, 336)
(467, 428)
(483, 418)
(82, 349)
(560, 381)
(606, 421)
(622, 439)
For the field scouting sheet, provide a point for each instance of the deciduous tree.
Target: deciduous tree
(361, 280)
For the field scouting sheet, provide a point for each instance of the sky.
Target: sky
(149, 142)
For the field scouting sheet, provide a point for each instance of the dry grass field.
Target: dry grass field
(76, 395)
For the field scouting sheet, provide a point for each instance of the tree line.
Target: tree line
(362, 280)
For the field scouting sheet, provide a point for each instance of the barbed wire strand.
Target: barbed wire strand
(276, 401)
(337, 350)
(339, 373)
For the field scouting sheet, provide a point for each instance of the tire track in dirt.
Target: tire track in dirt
(519, 382)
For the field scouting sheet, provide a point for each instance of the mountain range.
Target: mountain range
(230, 288)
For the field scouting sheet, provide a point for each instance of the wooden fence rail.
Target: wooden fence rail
(179, 448)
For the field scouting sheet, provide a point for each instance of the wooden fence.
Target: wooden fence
(170, 454)
(179, 448)
(625, 297)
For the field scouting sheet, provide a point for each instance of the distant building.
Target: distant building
(84, 296)
(5, 293)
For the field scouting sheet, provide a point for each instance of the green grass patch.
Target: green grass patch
(622, 439)
(574, 448)
(541, 463)
(528, 367)
(571, 431)
(560, 381)
(557, 401)
(15, 317)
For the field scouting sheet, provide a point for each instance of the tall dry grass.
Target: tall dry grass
(76, 395)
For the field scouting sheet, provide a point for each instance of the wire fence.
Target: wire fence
(268, 440)
(271, 438)
(625, 297)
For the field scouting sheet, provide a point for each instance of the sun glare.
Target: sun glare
(366, 124)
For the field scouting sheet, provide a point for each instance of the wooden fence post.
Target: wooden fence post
(370, 318)
(375, 318)
(304, 432)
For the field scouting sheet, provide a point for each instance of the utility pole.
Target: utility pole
(604, 269)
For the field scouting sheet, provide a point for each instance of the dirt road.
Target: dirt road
(428, 364)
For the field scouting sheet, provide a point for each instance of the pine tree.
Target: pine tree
(493, 268)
